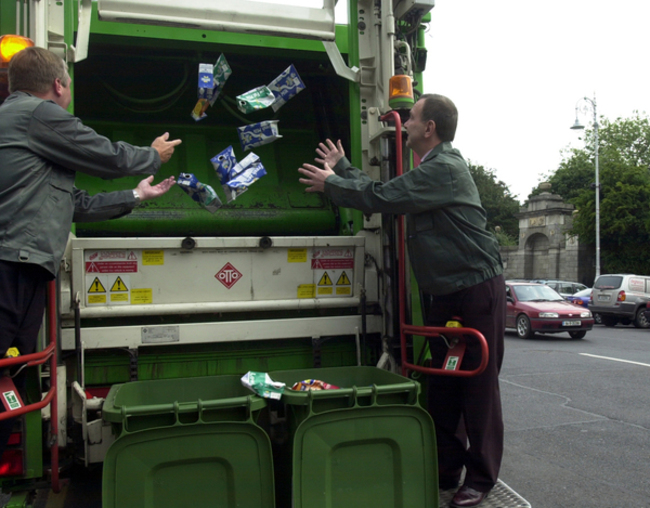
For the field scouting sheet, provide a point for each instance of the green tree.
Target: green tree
(624, 177)
(499, 204)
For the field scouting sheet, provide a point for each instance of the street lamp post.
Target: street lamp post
(577, 125)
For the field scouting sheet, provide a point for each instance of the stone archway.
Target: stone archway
(536, 257)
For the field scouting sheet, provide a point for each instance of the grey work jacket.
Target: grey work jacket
(42, 146)
(449, 246)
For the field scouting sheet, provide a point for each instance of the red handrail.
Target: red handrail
(49, 353)
(426, 331)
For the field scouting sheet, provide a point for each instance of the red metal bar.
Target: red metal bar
(49, 353)
(425, 331)
(436, 331)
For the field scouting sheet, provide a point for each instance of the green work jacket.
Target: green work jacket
(449, 246)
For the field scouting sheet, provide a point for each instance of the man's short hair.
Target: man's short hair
(443, 112)
(34, 70)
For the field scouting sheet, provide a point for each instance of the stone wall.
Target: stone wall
(546, 250)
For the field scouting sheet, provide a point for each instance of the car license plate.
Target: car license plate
(603, 298)
(571, 323)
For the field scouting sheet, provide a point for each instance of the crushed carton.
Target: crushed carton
(255, 99)
(237, 177)
(262, 384)
(285, 86)
(258, 134)
(212, 79)
(224, 164)
(199, 192)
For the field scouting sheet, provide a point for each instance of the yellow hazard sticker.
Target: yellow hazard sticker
(344, 290)
(118, 285)
(119, 297)
(307, 291)
(343, 280)
(296, 255)
(96, 286)
(141, 296)
(324, 290)
(153, 257)
(325, 280)
(97, 298)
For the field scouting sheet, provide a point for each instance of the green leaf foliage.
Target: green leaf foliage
(624, 176)
(499, 204)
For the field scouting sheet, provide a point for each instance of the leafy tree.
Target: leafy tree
(624, 177)
(499, 204)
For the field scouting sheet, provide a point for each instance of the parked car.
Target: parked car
(536, 308)
(564, 287)
(582, 298)
(621, 298)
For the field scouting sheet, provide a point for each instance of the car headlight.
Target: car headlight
(585, 314)
(549, 314)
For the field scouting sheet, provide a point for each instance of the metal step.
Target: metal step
(501, 496)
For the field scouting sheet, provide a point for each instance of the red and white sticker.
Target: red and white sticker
(111, 261)
(332, 259)
(333, 270)
(228, 275)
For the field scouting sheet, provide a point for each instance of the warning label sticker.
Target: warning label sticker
(111, 261)
(333, 264)
(108, 289)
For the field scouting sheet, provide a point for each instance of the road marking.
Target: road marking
(616, 359)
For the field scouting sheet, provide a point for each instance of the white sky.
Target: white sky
(516, 69)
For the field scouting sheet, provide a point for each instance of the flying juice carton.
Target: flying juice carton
(285, 86)
(255, 99)
(258, 134)
(199, 192)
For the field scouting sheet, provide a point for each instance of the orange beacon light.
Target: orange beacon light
(10, 45)
(400, 93)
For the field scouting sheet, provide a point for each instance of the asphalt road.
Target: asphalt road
(577, 418)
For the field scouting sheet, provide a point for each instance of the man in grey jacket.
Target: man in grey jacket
(458, 268)
(42, 147)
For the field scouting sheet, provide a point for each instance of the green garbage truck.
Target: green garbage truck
(258, 276)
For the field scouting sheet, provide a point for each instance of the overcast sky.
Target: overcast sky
(517, 68)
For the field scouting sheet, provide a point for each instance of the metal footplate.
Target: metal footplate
(501, 496)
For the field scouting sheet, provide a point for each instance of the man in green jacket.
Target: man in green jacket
(458, 268)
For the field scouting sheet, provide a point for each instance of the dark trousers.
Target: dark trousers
(22, 303)
(467, 411)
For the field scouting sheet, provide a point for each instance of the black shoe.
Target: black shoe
(467, 497)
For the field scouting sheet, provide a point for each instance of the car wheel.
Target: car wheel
(609, 320)
(598, 319)
(578, 335)
(640, 320)
(523, 327)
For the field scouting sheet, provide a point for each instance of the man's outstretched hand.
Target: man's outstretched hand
(147, 191)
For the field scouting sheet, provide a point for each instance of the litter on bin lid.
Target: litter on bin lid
(199, 192)
(258, 134)
(262, 384)
(285, 86)
(255, 99)
(313, 384)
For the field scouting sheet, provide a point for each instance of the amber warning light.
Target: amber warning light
(12, 44)
(9, 46)
(400, 93)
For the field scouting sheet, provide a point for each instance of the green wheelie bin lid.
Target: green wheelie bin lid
(187, 442)
(221, 465)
